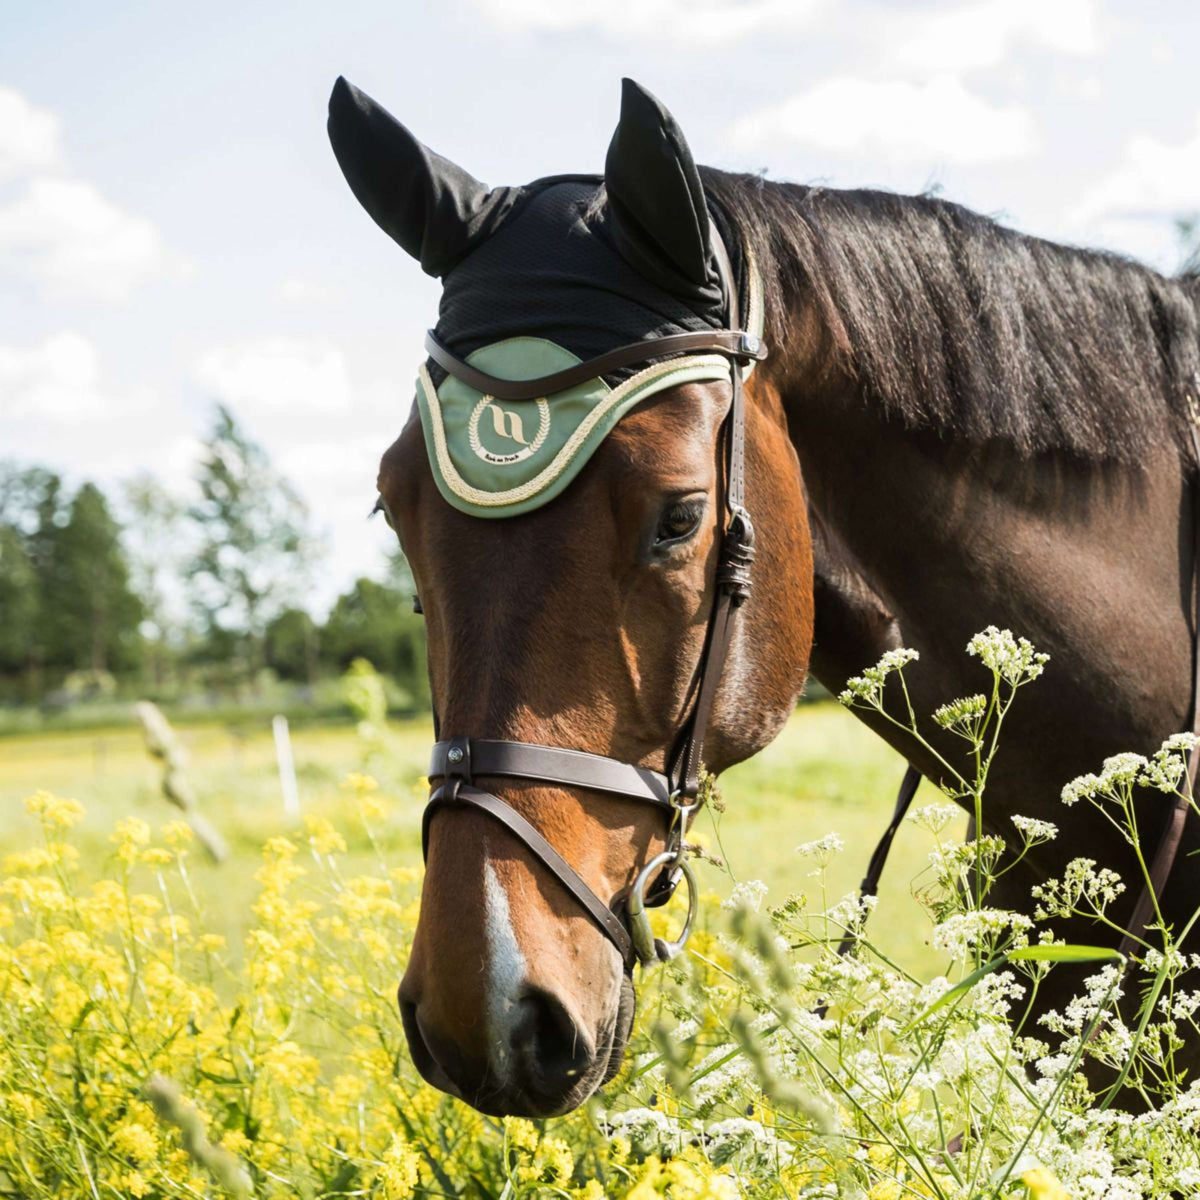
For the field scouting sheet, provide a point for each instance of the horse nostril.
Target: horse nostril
(552, 1050)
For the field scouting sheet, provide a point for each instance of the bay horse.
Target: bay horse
(956, 425)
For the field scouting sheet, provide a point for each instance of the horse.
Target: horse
(955, 424)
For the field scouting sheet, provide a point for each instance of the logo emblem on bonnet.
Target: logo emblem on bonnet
(501, 441)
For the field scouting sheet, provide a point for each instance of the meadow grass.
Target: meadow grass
(825, 773)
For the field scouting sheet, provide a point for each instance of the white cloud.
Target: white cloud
(56, 380)
(63, 233)
(982, 34)
(295, 290)
(1133, 208)
(28, 136)
(59, 381)
(937, 120)
(676, 20)
(1154, 178)
(278, 374)
(74, 242)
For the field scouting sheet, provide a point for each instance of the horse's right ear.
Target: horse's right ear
(432, 207)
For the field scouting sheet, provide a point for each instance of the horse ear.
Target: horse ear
(655, 193)
(432, 207)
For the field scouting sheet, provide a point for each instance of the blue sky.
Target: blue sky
(174, 229)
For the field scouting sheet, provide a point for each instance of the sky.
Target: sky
(174, 230)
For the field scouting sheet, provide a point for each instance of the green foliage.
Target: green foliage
(253, 546)
(291, 645)
(65, 595)
(375, 621)
(89, 615)
(18, 601)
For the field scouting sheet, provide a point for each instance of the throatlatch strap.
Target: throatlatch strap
(870, 882)
(457, 792)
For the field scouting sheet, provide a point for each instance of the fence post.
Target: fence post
(287, 767)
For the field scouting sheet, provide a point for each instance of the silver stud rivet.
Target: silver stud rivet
(455, 754)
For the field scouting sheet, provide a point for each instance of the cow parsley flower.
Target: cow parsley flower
(1013, 659)
(962, 716)
(747, 893)
(822, 849)
(867, 688)
(1033, 831)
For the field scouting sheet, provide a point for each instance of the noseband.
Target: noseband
(458, 761)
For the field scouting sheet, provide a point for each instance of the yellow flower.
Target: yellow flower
(400, 1171)
(136, 1184)
(177, 834)
(522, 1134)
(133, 1140)
(1042, 1185)
(129, 837)
(559, 1160)
(322, 836)
(54, 811)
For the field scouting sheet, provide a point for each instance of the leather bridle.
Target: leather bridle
(458, 761)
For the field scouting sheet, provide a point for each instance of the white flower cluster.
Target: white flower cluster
(867, 688)
(1034, 832)
(1120, 773)
(1013, 659)
(822, 849)
(960, 934)
(935, 817)
(747, 893)
(962, 716)
(1081, 883)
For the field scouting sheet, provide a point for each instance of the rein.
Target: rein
(457, 761)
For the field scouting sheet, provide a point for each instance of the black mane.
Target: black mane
(953, 322)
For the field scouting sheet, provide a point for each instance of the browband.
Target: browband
(725, 341)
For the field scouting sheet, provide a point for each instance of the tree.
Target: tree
(154, 538)
(291, 646)
(376, 622)
(18, 602)
(88, 615)
(254, 549)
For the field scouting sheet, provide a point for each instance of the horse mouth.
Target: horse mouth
(524, 1098)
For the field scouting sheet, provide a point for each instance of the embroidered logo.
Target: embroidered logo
(506, 435)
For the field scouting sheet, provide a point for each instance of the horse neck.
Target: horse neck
(923, 540)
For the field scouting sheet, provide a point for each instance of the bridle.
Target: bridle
(458, 761)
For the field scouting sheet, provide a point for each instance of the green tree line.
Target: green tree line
(138, 591)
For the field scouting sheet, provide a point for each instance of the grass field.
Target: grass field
(825, 773)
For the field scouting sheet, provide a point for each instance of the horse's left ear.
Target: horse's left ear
(656, 197)
(429, 205)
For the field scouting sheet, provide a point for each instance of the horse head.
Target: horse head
(571, 555)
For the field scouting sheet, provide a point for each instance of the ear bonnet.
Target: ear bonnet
(539, 278)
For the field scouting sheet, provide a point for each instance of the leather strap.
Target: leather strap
(552, 764)
(457, 792)
(870, 882)
(459, 760)
(720, 341)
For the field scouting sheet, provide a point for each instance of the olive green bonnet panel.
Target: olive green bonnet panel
(500, 459)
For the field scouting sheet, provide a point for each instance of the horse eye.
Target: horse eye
(679, 521)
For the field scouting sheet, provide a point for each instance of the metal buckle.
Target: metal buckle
(648, 948)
